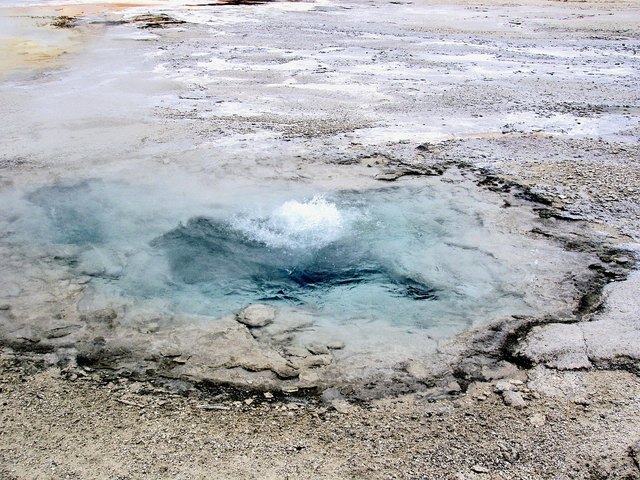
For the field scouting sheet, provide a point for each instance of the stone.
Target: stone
(479, 469)
(296, 351)
(136, 387)
(181, 360)
(257, 315)
(308, 378)
(170, 351)
(513, 399)
(499, 370)
(503, 386)
(214, 407)
(331, 394)
(342, 406)
(335, 345)
(437, 393)
(312, 361)
(453, 387)
(62, 331)
(318, 348)
(612, 341)
(537, 419)
(621, 259)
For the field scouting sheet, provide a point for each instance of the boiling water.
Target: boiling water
(417, 256)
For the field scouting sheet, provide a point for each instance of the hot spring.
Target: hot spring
(413, 256)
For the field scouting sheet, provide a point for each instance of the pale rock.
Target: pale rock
(312, 361)
(503, 386)
(513, 399)
(479, 469)
(331, 394)
(557, 345)
(296, 351)
(342, 406)
(622, 259)
(537, 420)
(318, 348)
(308, 378)
(452, 387)
(256, 315)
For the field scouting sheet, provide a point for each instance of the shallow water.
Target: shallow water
(420, 256)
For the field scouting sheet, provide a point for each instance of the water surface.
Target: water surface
(415, 256)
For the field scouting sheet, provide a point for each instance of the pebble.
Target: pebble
(480, 469)
(502, 386)
(318, 348)
(537, 420)
(621, 259)
(214, 407)
(513, 399)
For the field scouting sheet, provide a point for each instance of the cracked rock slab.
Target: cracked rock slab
(611, 339)
(557, 345)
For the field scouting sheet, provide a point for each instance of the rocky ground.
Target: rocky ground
(537, 103)
(578, 425)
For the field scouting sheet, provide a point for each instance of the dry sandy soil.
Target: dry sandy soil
(537, 102)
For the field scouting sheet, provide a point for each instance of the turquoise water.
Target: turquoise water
(414, 256)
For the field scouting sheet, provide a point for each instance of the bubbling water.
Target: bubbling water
(296, 225)
(423, 257)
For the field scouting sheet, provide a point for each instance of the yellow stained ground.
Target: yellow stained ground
(33, 44)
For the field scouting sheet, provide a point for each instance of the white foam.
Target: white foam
(308, 225)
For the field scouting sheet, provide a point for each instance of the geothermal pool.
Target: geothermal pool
(424, 255)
